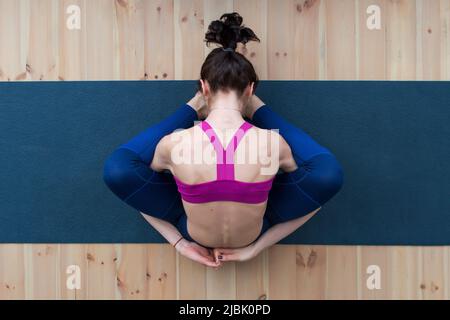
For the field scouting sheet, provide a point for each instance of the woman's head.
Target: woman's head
(225, 69)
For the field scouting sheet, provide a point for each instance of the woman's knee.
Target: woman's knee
(119, 172)
(324, 179)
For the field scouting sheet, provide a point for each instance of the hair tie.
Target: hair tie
(227, 49)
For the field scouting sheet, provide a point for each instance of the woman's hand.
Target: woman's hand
(253, 104)
(238, 254)
(198, 103)
(197, 253)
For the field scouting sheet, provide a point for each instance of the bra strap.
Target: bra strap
(225, 157)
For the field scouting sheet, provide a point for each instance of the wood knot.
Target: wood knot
(252, 54)
(312, 259)
(164, 75)
(299, 260)
(309, 3)
(434, 287)
(90, 257)
(184, 19)
(262, 297)
(123, 3)
(423, 286)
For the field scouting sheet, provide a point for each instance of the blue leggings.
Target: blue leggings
(128, 174)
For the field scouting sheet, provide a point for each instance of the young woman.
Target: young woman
(219, 208)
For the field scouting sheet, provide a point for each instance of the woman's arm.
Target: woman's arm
(186, 248)
(280, 231)
(165, 228)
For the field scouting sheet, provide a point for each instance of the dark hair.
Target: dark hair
(228, 69)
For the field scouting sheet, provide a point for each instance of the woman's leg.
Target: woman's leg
(318, 178)
(128, 174)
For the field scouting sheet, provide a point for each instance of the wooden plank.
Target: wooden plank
(306, 39)
(430, 45)
(131, 38)
(280, 48)
(191, 279)
(342, 273)
(72, 44)
(12, 272)
(161, 272)
(341, 48)
(447, 273)
(212, 10)
(404, 268)
(371, 43)
(42, 62)
(433, 273)
(282, 272)
(311, 264)
(72, 255)
(322, 40)
(189, 35)
(102, 263)
(250, 278)
(374, 256)
(11, 67)
(132, 272)
(401, 39)
(254, 13)
(43, 271)
(159, 40)
(445, 39)
(221, 283)
(101, 61)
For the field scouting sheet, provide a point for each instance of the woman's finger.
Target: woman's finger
(219, 253)
(225, 250)
(203, 250)
(229, 257)
(208, 262)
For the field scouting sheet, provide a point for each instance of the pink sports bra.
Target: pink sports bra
(225, 187)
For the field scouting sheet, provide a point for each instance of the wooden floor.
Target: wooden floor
(163, 40)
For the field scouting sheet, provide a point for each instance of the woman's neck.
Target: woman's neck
(225, 113)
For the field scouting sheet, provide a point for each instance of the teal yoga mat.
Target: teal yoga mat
(392, 139)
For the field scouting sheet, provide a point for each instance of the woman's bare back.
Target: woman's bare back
(223, 223)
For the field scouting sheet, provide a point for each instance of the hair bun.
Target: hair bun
(228, 31)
